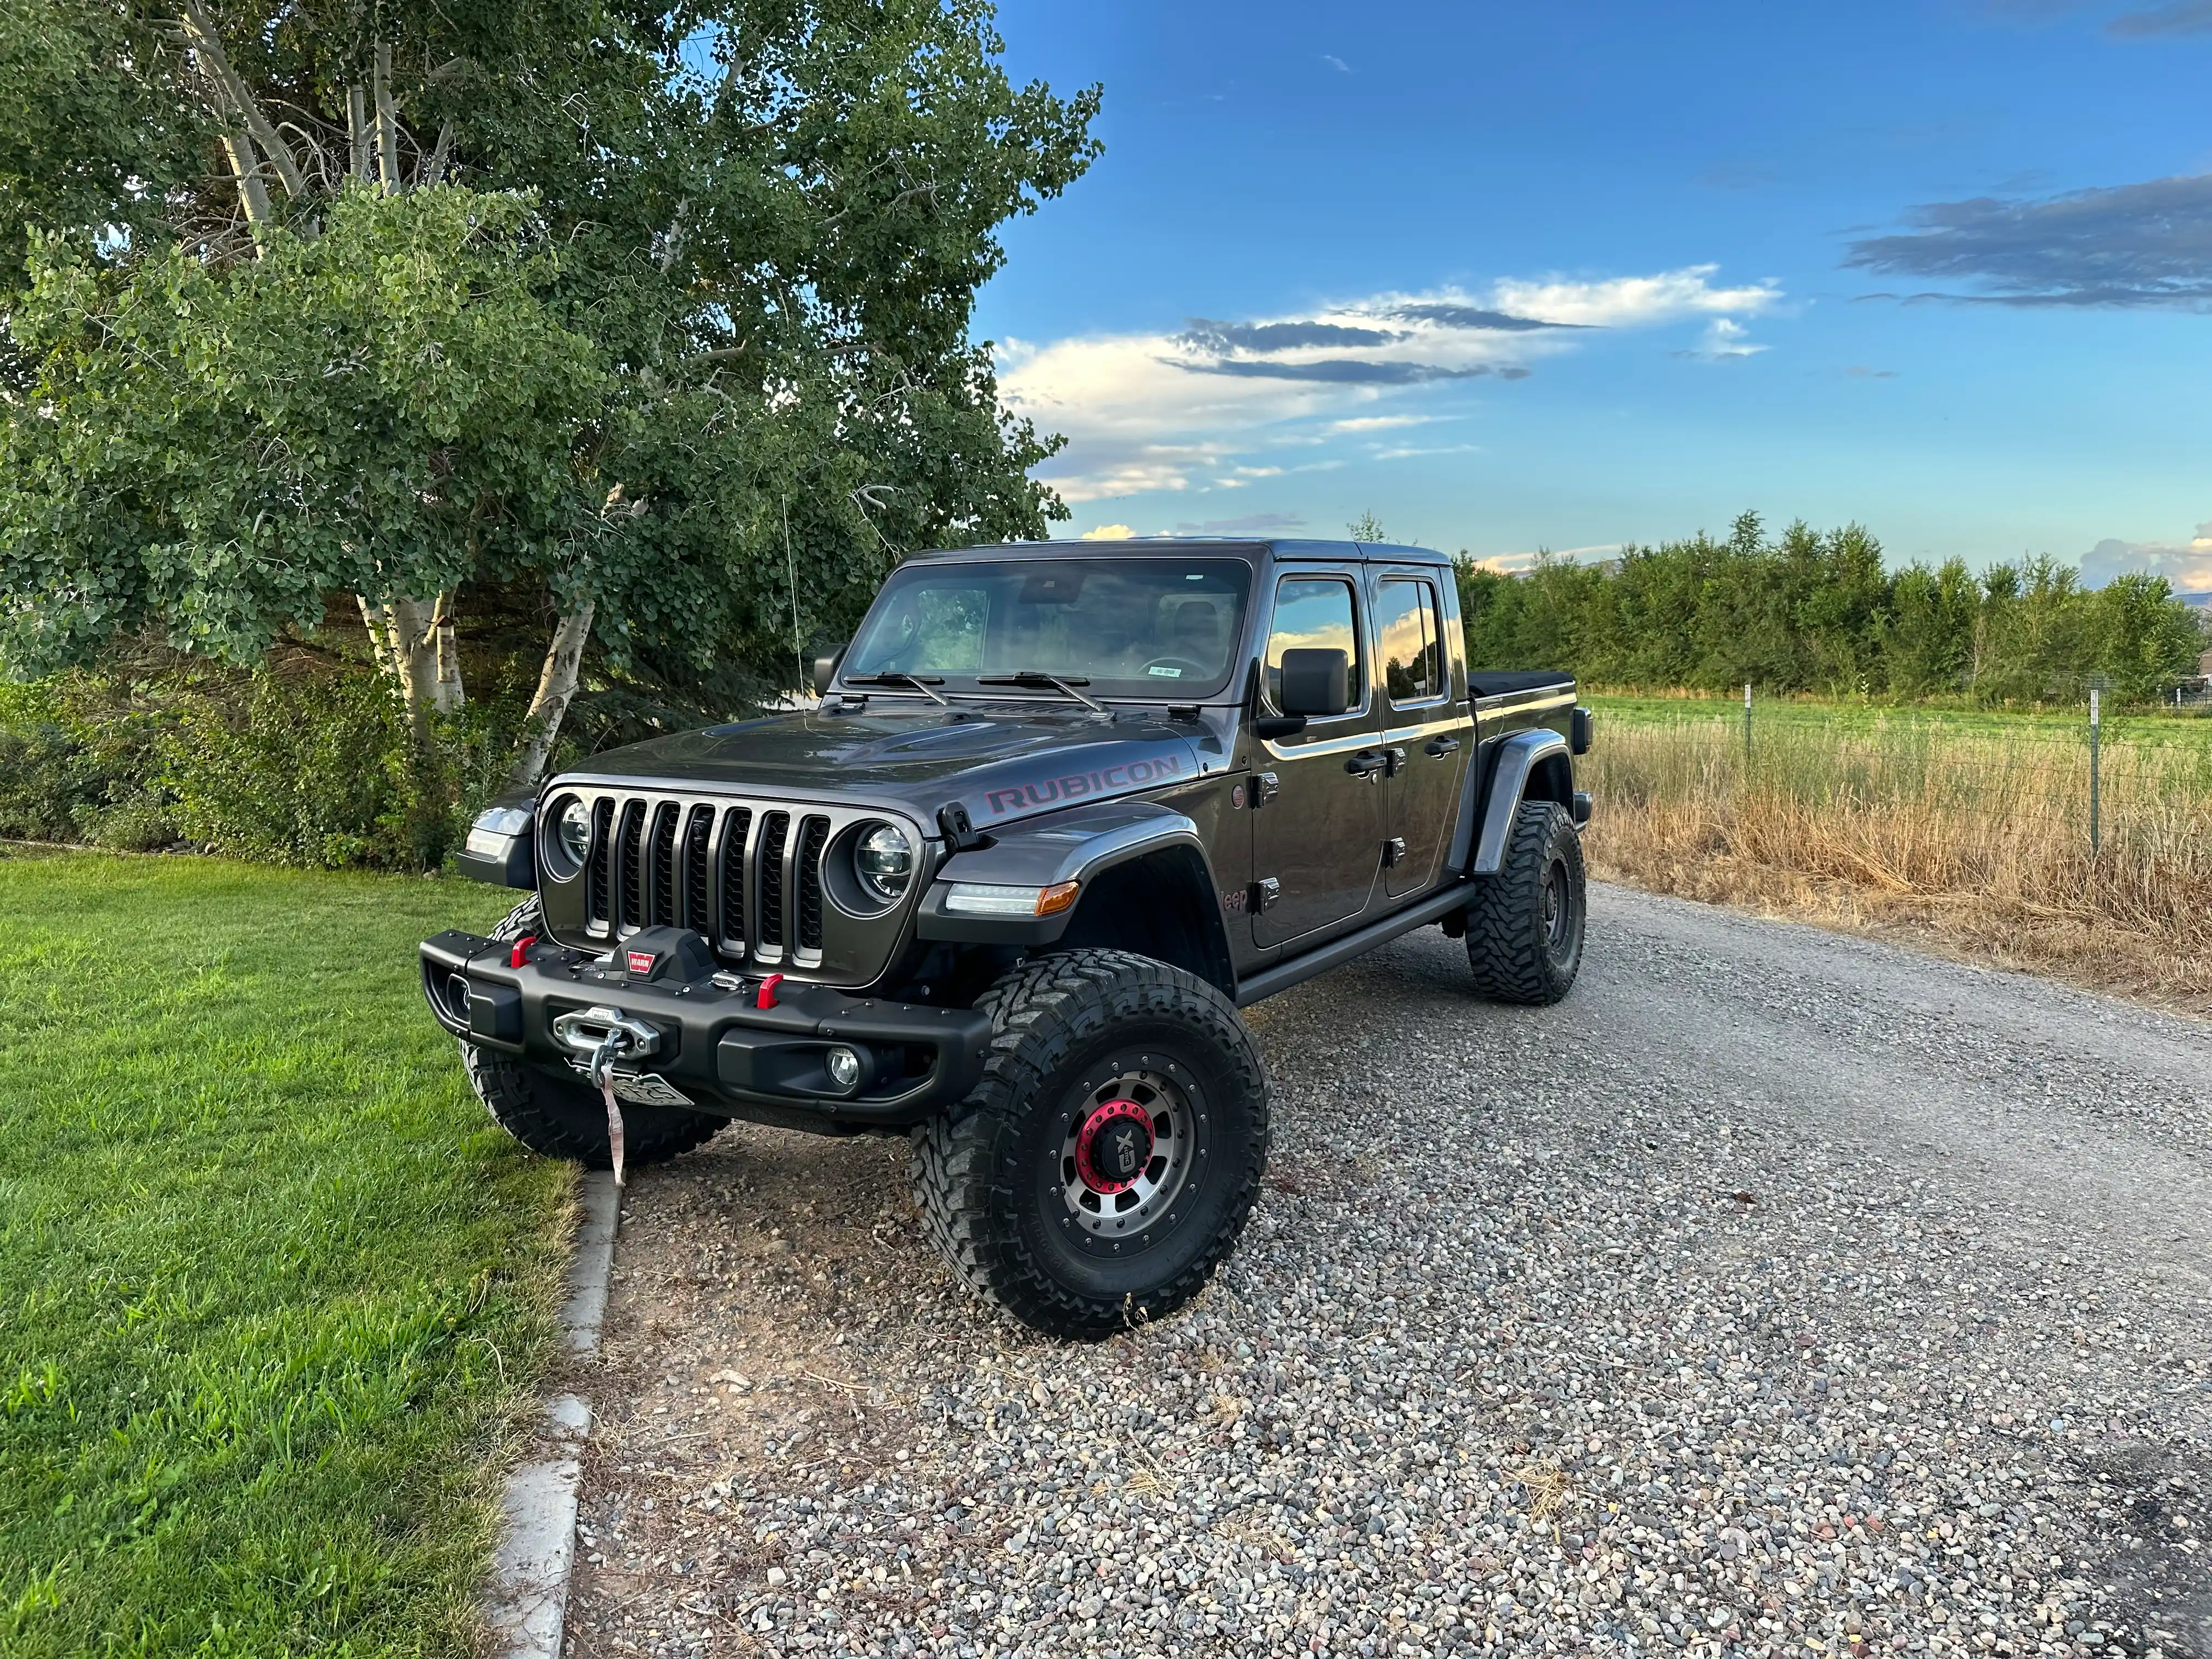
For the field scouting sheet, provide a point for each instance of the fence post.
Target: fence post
(1747, 725)
(2096, 720)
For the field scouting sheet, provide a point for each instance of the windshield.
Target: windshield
(1166, 629)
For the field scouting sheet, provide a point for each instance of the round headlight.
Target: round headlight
(883, 860)
(574, 830)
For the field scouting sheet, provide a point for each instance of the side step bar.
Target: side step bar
(1338, 952)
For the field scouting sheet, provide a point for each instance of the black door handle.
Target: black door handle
(1368, 763)
(1440, 746)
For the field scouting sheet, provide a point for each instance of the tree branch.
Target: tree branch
(556, 689)
(434, 168)
(246, 168)
(357, 134)
(387, 121)
(218, 63)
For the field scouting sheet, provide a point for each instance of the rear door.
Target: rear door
(1317, 827)
(1427, 734)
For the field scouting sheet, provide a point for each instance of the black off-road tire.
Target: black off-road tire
(986, 1175)
(1525, 924)
(563, 1117)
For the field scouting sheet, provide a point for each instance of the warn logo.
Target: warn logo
(641, 962)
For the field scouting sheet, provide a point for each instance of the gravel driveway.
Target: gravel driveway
(1779, 1293)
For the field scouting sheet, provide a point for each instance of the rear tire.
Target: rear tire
(1097, 1056)
(1525, 924)
(563, 1117)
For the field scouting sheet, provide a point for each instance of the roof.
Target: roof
(1170, 546)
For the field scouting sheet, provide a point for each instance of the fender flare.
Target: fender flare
(1078, 845)
(1521, 759)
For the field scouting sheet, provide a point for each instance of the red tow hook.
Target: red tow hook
(520, 954)
(767, 997)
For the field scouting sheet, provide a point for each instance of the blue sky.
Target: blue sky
(1576, 275)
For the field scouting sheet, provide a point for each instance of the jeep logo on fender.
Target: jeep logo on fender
(1076, 785)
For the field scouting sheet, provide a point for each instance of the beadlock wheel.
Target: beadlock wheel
(1105, 1163)
(1129, 1147)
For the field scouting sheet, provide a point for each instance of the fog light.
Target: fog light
(844, 1068)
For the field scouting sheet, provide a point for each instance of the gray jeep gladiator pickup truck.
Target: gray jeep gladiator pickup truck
(1062, 811)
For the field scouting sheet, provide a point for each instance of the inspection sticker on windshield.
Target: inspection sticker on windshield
(1158, 672)
(641, 1087)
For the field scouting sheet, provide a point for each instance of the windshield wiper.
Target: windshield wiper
(895, 677)
(1064, 682)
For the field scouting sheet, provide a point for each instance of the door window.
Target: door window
(1316, 612)
(1406, 631)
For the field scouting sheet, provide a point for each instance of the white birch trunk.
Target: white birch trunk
(447, 652)
(387, 121)
(404, 636)
(378, 620)
(217, 62)
(253, 194)
(357, 139)
(556, 689)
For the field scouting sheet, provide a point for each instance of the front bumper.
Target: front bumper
(716, 1044)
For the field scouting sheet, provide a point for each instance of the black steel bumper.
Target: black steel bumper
(716, 1043)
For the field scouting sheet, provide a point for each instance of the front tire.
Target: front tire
(1524, 927)
(1103, 1167)
(562, 1116)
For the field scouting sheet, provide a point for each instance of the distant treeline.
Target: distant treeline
(1819, 612)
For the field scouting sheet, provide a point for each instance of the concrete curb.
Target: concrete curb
(527, 1603)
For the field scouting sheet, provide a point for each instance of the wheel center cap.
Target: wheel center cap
(1114, 1146)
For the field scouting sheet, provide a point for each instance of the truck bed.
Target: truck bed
(1506, 682)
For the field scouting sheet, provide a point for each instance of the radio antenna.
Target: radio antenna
(791, 569)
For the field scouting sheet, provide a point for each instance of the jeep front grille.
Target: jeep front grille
(665, 895)
(599, 889)
(698, 838)
(775, 835)
(737, 826)
(812, 841)
(749, 876)
(631, 887)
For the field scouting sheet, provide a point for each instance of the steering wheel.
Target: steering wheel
(1197, 670)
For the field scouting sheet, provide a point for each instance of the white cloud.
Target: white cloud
(1405, 451)
(1252, 524)
(1171, 411)
(2186, 565)
(1109, 533)
(1723, 341)
(1382, 422)
(1336, 63)
(1514, 564)
(1633, 301)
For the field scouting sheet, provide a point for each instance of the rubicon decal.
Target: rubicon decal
(1076, 785)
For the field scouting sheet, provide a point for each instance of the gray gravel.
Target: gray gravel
(1780, 1292)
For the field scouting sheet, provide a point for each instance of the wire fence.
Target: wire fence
(2102, 819)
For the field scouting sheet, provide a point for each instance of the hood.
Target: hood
(1000, 763)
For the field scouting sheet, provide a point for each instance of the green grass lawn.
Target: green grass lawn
(272, 1287)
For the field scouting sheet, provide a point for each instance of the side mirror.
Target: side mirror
(825, 670)
(1317, 682)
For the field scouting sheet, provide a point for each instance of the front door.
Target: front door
(1317, 832)
(1425, 734)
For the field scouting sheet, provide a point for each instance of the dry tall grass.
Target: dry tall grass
(1975, 839)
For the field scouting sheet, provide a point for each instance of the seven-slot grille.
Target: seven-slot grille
(748, 877)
